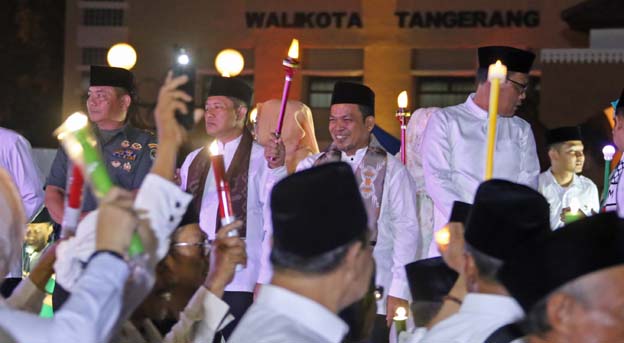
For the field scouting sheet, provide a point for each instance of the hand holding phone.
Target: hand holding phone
(183, 66)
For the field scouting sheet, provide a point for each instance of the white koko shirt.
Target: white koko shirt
(581, 188)
(454, 154)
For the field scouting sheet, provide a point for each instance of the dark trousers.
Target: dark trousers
(8, 285)
(381, 331)
(239, 302)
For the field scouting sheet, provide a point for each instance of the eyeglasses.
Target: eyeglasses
(522, 86)
(205, 245)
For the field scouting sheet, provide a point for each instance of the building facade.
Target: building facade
(426, 47)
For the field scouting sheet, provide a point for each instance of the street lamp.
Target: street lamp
(229, 62)
(121, 55)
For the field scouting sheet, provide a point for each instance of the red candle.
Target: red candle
(75, 189)
(72, 211)
(226, 214)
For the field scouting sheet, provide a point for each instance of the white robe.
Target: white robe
(260, 182)
(454, 154)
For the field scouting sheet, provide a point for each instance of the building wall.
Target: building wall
(392, 55)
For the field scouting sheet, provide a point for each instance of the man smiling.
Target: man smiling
(387, 191)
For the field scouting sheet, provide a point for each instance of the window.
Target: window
(443, 91)
(94, 56)
(320, 89)
(102, 17)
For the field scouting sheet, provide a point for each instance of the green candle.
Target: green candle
(607, 152)
(400, 320)
(94, 168)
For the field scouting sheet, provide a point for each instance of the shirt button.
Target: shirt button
(177, 204)
(171, 218)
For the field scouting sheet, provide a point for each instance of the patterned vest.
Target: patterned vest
(370, 176)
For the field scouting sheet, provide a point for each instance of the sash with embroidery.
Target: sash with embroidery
(237, 176)
(610, 203)
(370, 175)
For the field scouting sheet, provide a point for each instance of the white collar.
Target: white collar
(474, 108)
(230, 146)
(551, 177)
(356, 158)
(304, 311)
(492, 304)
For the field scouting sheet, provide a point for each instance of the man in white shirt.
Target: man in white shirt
(615, 194)
(321, 259)
(16, 158)
(570, 284)
(560, 184)
(387, 190)
(455, 140)
(504, 217)
(251, 170)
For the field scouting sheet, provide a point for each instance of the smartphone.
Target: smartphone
(183, 65)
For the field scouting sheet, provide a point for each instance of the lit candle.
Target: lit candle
(226, 213)
(497, 73)
(403, 117)
(443, 237)
(400, 319)
(290, 63)
(575, 213)
(78, 142)
(607, 152)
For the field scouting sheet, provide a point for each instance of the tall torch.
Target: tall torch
(497, 73)
(290, 63)
(79, 143)
(403, 115)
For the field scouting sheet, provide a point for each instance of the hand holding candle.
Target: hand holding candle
(574, 212)
(497, 73)
(290, 63)
(403, 116)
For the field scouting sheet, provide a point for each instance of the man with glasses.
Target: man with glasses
(455, 140)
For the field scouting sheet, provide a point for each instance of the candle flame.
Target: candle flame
(402, 99)
(574, 205)
(214, 148)
(293, 51)
(498, 64)
(608, 151)
(253, 115)
(400, 313)
(443, 236)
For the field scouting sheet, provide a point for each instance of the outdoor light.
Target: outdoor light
(229, 62)
(121, 55)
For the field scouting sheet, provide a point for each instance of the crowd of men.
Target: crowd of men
(328, 246)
